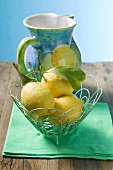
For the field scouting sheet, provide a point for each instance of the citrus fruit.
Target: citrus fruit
(45, 60)
(74, 47)
(64, 104)
(64, 55)
(57, 84)
(36, 95)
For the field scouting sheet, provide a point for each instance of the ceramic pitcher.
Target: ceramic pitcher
(52, 34)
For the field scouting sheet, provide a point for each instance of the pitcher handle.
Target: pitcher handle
(21, 51)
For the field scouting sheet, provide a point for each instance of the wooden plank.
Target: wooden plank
(106, 165)
(5, 164)
(35, 164)
(10, 75)
(11, 164)
(5, 69)
(104, 75)
(17, 164)
(53, 164)
(6, 110)
(74, 163)
(93, 164)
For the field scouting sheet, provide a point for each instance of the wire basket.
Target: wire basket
(56, 127)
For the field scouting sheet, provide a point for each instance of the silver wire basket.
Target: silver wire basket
(43, 123)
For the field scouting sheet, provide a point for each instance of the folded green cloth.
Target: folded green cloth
(93, 138)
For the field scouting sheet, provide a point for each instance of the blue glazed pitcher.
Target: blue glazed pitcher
(52, 34)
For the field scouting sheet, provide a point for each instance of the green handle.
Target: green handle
(21, 52)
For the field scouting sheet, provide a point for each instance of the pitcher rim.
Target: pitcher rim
(43, 28)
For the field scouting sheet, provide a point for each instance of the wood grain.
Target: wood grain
(102, 72)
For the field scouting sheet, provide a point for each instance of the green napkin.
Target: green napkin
(93, 138)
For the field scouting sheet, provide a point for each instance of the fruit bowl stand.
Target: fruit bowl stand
(43, 123)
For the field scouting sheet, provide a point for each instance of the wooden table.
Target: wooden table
(102, 72)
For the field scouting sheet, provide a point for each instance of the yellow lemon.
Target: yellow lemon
(64, 55)
(64, 104)
(36, 95)
(58, 86)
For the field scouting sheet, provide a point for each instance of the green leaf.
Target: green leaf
(24, 79)
(72, 74)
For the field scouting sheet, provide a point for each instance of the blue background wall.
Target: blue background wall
(93, 33)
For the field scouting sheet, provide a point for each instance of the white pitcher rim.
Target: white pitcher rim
(43, 28)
